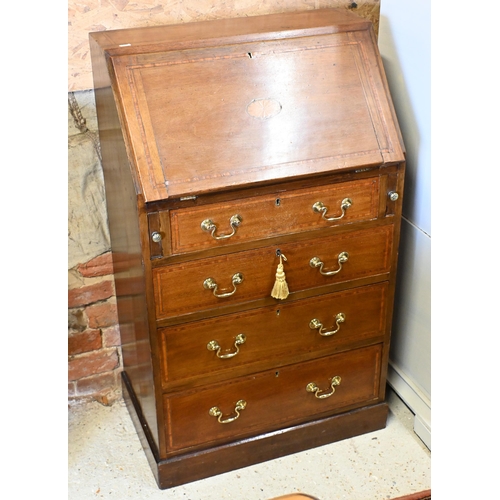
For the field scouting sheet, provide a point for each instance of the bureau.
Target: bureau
(254, 175)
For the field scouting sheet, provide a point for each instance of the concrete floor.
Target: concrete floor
(106, 460)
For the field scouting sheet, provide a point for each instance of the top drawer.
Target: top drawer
(259, 217)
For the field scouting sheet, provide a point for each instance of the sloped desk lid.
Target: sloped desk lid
(223, 104)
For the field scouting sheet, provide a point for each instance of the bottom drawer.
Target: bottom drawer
(269, 400)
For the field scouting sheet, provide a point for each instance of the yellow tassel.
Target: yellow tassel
(280, 288)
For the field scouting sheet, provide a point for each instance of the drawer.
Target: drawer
(272, 399)
(271, 336)
(245, 276)
(260, 217)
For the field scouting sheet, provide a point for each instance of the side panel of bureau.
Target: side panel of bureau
(124, 209)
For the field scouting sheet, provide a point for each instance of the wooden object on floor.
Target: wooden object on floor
(421, 495)
(295, 496)
(230, 147)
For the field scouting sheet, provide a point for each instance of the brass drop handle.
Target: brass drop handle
(215, 412)
(312, 387)
(320, 208)
(210, 284)
(210, 226)
(316, 262)
(315, 324)
(213, 345)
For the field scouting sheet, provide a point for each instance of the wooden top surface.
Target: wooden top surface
(197, 34)
(223, 104)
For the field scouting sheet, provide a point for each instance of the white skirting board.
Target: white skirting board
(415, 399)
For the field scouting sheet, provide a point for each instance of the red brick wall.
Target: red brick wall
(94, 354)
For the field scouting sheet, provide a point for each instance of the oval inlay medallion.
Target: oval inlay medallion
(264, 108)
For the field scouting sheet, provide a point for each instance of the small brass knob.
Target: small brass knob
(156, 237)
(393, 196)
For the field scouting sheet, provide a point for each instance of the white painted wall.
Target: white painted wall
(404, 42)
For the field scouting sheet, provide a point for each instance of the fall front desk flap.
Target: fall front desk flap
(217, 117)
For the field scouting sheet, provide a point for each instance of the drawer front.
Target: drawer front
(211, 226)
(270, 336)
(246, 276)
(273, 398)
